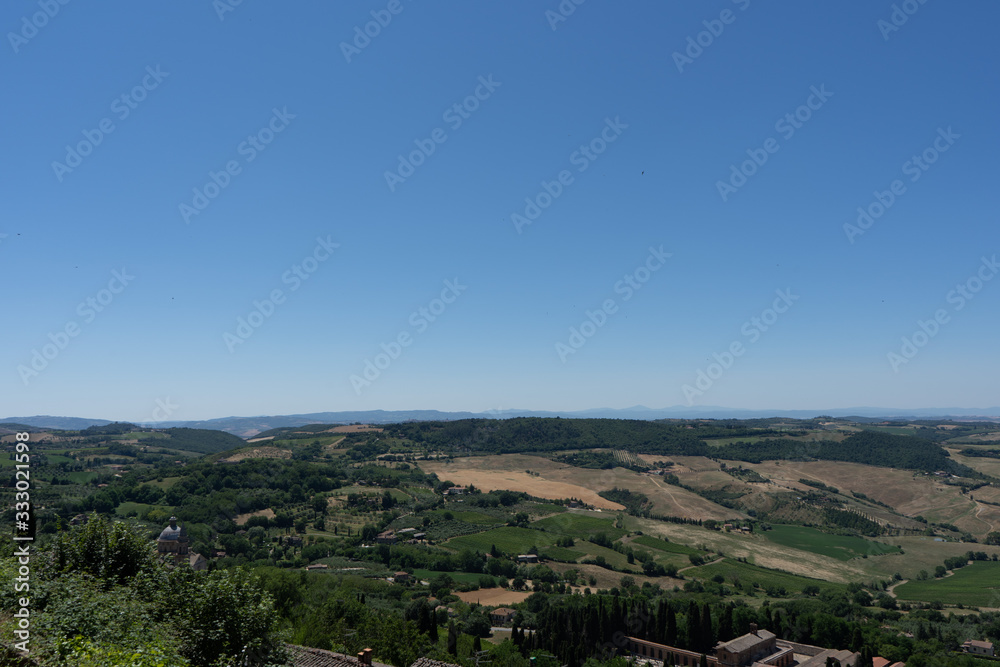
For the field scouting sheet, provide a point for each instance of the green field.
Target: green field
(472, 517)
(166, 483)
(841, 547)
(545, 508)
(663, 545)
(977, 585)
(746, 573)
(579, 525)
(563, 554)
(140, 508)
(459, 577)
(398, 494)
(80, 477)
(509, 539)
(6, 462)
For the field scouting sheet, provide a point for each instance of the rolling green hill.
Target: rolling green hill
(201, 441)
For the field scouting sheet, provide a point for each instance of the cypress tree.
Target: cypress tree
(726, 623)
(857, 641)
(693, 626)
(424, 622)
(432, 631)
(661, 621)
(706, 633)
(670, 632)
(452, 638)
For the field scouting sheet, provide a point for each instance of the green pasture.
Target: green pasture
(583, 526)
(747, 573)
(508, 538)
(974, 585)
(664, 545)
(841, 547)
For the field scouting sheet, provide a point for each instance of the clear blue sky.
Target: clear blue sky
(337, 117)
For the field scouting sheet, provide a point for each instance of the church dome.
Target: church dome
(173, 532)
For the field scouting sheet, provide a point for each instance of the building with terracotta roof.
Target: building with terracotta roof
(757, 648)
(502, 615)
(304, 656)
(427, 662)
(885, 662)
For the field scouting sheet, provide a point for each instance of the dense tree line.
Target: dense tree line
(534, 434)
(868, 447)
(852, 521)
(982, 453)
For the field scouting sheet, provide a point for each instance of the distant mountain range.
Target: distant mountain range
(249, 426)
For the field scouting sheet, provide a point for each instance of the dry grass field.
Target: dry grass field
(509, 472)
(909, 493)
(259, 453)
(491, 597)
(696, 471)
(550, 479)
(982, 464)
(988, 493)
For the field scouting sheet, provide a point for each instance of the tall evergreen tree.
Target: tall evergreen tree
(726, 623)
(857, 641)
(693, 626)
(452, 638)
(660, 626)
(670, 632)
(433, 630)
(707, 636)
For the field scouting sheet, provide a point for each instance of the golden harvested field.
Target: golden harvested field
(911, 494)
(493, 596)
(508, 472)
(987, 493)
(558, 480)
(697, 471)
(982, 464)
